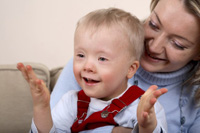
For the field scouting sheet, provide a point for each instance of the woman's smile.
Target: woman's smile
(152, 57)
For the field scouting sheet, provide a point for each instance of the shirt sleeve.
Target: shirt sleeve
(161, 119)
(158, 129)
(63, 114)
(34, 128)
(65, 82)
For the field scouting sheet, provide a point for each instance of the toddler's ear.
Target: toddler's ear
(132, 69)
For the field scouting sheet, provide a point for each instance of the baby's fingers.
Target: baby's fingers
(150, 90)
(34, 85)
(27, 72)
(41, 97)
(21, 67)
(157, 94)
(160, 92)
(42, 86)
(37, 87)
(31, 74)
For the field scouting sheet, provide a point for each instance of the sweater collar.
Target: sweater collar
(167, 78)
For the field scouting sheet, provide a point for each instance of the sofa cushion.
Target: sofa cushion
(15, 98)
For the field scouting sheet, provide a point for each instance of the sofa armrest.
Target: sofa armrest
(15, 98)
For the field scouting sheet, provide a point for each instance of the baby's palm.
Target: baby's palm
(39, 91)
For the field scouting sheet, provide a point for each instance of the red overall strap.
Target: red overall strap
(106, 116)
(82, 104)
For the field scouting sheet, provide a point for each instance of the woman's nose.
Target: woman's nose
(157, 44)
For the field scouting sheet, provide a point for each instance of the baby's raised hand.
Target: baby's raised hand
(145, 112)
(39, 91)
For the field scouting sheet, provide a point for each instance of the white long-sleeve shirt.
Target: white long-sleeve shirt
(65, 113)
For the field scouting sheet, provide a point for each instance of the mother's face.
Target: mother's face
(172, 37)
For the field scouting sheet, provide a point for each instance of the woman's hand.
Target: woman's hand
(146, 116)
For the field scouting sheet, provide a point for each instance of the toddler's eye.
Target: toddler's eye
(80, 55)
(102, 59)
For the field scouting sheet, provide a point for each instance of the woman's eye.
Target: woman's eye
(153, 25)
(177, 45)
(102, 59)
(80, 55)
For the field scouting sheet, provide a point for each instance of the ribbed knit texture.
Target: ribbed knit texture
(163, 79)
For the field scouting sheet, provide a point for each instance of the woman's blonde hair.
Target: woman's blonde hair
(193, 6)
(130, 25)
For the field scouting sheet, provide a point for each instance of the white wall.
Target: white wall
(42, 30)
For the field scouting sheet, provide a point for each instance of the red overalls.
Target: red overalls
(106, 116)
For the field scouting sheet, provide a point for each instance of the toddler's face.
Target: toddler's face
(101, 61)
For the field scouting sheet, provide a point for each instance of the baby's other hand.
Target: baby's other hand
(145, 112)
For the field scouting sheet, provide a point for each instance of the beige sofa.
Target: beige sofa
(15, 98)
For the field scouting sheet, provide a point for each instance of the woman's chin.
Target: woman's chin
(147, 66)
(148, 69)
(152, 67)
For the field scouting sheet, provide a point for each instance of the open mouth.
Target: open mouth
(91, 81)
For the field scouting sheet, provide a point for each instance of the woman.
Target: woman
(171, 59)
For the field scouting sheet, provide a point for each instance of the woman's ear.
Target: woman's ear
(132, 69)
